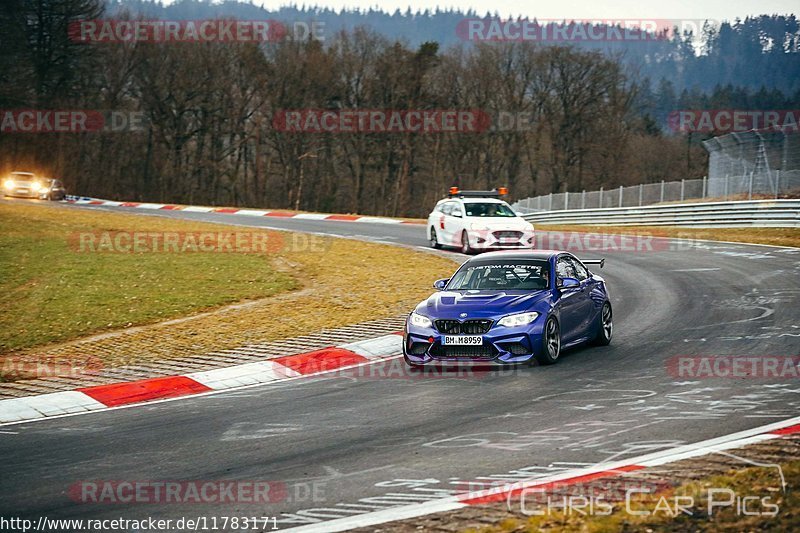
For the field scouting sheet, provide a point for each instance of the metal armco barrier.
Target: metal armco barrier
(759, 213)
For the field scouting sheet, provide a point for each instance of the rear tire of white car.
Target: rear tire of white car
(465, 247)
(434, 240)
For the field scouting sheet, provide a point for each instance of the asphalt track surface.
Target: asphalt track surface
(329, 443)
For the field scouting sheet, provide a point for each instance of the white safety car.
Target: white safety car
(475, 221)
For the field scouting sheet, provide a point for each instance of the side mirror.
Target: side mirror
(440, 284)
(568, 283)
(456, 213)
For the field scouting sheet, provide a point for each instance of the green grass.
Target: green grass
(50, 292)
(52, 296)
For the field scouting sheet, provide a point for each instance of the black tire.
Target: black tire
(551, 343)
(465, 247)
(606, 327)
(434, 240)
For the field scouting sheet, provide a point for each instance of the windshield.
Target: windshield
(488, 210)
(499, 275)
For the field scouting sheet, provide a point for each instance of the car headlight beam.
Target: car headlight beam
(420, 321)
(518, 319)
(8, 184)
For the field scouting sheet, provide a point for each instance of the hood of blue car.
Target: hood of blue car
(480, 304)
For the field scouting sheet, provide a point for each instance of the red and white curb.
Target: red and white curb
(237, 211)
(572, 477)
(100, 397)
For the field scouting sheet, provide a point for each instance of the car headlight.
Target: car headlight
(421, 321)
(36, 186)
(519, 319)
(8, 184)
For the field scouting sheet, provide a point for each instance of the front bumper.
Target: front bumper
(53, 195)
(501, 240)
(502, 346)
(20, 193)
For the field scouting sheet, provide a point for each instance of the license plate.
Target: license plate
(462, 340)
(22, 191)
(508, 240)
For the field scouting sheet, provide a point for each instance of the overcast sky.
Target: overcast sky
(578, 9)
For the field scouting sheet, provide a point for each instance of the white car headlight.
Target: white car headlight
(421, 321)
(519, 319)
(36, 186)
(8, 184)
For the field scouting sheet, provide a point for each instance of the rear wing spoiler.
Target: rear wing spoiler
(600, 262)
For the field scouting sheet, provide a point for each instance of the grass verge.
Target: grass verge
(773, 236)
(768, 507)
(51, 294)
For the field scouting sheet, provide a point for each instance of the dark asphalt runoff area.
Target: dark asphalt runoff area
(335, 446)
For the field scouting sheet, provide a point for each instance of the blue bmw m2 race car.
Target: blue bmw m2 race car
(506, 308)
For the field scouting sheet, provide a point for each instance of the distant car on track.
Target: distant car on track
(28, 185)
(478, 220)
(22, 185)
(505, 308)
(53, 190)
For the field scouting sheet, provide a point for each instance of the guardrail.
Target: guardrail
(748, 213)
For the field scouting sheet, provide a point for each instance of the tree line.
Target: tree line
(760, 50)
(581, 118)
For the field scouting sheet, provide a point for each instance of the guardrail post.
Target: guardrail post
(750, 187)
(583, 199)
(777, 183)
(601, 197)
(620, 196)
(566, 200)
(727, 183)
(640, 194)
(550, 202)
(662, 190)
(683, 187)
(705, 185)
